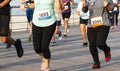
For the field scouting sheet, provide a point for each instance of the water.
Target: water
(15, 10)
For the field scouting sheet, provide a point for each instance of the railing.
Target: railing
(19, 20)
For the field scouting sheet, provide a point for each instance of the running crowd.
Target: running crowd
(96, 18)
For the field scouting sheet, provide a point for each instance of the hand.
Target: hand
(22, 7)
(78, 13)
(26, 0)
(31, 5)
(64, 3)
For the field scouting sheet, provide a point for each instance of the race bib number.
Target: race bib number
(96, 21)
(115, 9)
(66, 7)
(43, 14)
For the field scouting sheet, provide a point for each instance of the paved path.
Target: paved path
(67, 55)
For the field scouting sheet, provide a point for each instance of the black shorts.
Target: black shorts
(4, 25)
(58, 23)
(66, 15)
(29, 14)
(83, 21)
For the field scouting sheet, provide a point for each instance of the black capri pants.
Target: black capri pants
(97, 39)
(41, 39)
(4, 25)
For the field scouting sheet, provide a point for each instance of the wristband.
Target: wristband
(0, 6)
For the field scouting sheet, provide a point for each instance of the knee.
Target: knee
(83, 33)
(47, 55)
(37, 51)
(4, 40)
(92, 47)
(101, 45)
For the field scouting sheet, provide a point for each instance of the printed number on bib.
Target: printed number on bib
(115, 9)
(96, 21)
(66, 7)
(43, 14)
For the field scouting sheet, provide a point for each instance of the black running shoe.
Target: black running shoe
(65, 35)
(8, 45)
(19, 49)
(85, 44)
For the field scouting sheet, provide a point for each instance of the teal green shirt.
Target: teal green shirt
(44, 14)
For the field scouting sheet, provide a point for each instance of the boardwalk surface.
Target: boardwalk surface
(67, 55)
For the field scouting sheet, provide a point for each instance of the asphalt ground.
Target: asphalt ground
(67, 55)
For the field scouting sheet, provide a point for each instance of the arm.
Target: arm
(72, 2)
(22, 7)
(4, 3)
(84, 2)
(78, 9)
(105, 3)
(23, 1)
(60, 5)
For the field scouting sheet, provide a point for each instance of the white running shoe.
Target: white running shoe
(60, 38)
(60, 35)
(65, 34)
(53, 43)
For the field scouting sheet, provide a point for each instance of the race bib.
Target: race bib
(115, 9)
(96, 21)
(66, 7)
(43, 14)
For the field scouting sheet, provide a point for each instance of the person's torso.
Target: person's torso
(115, 6)
(44, 14)
(96, 9)
(114, 1)
(82, 14)
(67, 5)
(6, 9)
(28, 2)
